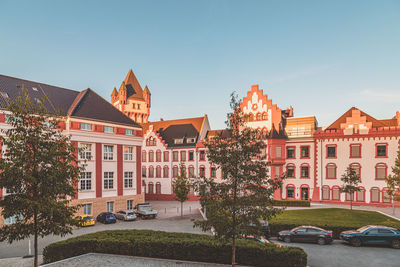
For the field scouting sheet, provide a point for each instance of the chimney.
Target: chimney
(161, 119)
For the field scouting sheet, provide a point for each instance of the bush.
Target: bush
(178, 246)
(291, 203)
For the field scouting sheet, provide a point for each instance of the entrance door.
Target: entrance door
(304, 193)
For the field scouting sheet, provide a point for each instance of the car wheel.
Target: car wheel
(396, 244)
(321, 241)
(287, 239)
(356, 242)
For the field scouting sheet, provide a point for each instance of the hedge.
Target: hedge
(291, 203)
(177, 246)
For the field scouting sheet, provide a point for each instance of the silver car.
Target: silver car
(126, 215)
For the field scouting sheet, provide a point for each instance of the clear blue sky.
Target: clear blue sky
(321, 57)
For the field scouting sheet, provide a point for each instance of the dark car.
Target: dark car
(372, 235)
(306, 234)
(265, 229)
(106, 217)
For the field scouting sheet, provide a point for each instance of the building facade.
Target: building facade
(110, 144)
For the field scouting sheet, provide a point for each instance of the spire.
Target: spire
(131, 79)
(114, 92)
(146, 90)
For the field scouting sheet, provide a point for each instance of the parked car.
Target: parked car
(265, 229)
(145, 211)
(373, 235)
(85, 220)
(126, 215)
(106, 217)
(306, 234)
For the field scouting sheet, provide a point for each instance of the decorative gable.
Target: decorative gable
(356, 123)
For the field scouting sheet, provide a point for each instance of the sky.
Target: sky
(321, 57)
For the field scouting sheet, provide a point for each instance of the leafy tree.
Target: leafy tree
(393, 181)
(237, 204)
(181, 186)
(39, 170)
(350, 181)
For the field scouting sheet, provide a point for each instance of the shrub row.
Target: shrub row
(292, 203)
(177, 246)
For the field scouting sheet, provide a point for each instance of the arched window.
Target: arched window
(143, 156)
(143, 171)
(158, 188)
(290, 171)
(151, 156)
(386, 198)
(258, 116)
(380, 171)
(158, 156)
(331, 171)
(305, 170)
(158, 172)
(335, 193)
(191, 172)
(151, 172)
(264, 116)
(357, 168)
(360, 195)
(264, 133)
(325, 192)
(175, 171)
(166, 172)
(290, 191)
(166, 156)
(375, 195)
(151, 188)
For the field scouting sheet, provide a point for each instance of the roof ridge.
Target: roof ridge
(77, 100)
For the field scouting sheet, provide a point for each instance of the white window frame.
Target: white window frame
(110, 129)
(85, 126)
(129, 204)
(110, 206)
(128, 153)
(85, 181)
(128, 179)
(107, 153)
(128, 132)
(85, 152)
(87, 208)
(108, 180)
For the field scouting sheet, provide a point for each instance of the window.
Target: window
(349, 196)
(183, 155)
(151, 156)
(13, 219)
(331, 151)
(151, 172)
(128, 132)
(381, 150)
(143, 156)
(110, 206)
(128, 179)
(374, 195)
(128, 153)
(86, 126)
(178, 141)
(258, 116)
(158, 188)
(108, 180)
(213, 172)
(85, 151)
(166, 171)
(108, 129)
(85, 180)
(360, 195)
(191, 140)
(386, 197)
(290, 171)
(191, 172)
(151, 188)
(290, 152)
(385, 231)
(380, 171)
(175, 156)
(305, 172)
(355, 151)
(166, 156)
(357, 168)
(158, 156)
(151, 141)
(277, 171)
(325, 193)
(290, 192)
(202, 155)
(175, 171)
(129, 204)
(202, 172)
(305, 151)
(108, 153)
(331, 171)
(87, 209)
(158, 172)
(191, 155)
(335, 193)
(143, 171)
(278, 152)
(264, 116)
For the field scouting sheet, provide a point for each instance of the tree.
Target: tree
(237, 204)
(181, 186)
(393, 181)
(350, 181)
(39, 170)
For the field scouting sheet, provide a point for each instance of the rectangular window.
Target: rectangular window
(191, 155)
(290, 192)
(108, 180)
(108, 129)
(87, 209)
(191, 172)
(290, 152)
(331, 150)
(277, 171)
(110, 206)
(128, 179)
(360, 195)
(108, 152)
(213, 172)
(290, 172)
(325, 193)
(128, 153)
(86, 126)
(85, 151)
(355, 151)
(304, 172)
(381, 172)
(374, 195)
(166, 156)
(158, 156)
(331, 172)
(381, 150)
(202, 172)
(166, 172)
(335, 194)
(178, 141)
(12, 219)
(129, 204)
(128, 132)
(202, 155)
(143, 171)
(175, 172)
(348, 196)
(386, 197)
(85, 180)
(183, 155)
(143, 156)
(278, 152)
(175, 156)
(305, 151)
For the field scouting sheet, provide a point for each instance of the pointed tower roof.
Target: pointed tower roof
(146, 90)
(114, 92)
(133, 87)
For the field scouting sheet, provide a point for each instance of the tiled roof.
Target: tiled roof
(196, 122)
(181, 131)
(224, 133)
(86, 104)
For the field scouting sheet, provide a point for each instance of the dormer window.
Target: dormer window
(4, 94)
(108, 129)
(86, 126)
(191, 140)
(178, 141)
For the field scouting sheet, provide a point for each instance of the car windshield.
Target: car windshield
(88, 218)
(362, 229)
(294, 229)
(131, 213)
(110, 216)
(145, 207)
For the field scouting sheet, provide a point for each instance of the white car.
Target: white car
(126, 215)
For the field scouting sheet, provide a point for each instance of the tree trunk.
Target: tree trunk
(181, 209)
(351, 201)
(233, 252)
(35, 264)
